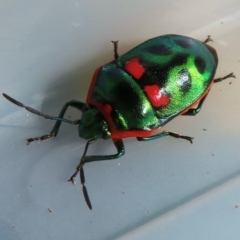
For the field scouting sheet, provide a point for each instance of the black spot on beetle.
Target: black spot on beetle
(200, 64)
(179, 59)
(159, 49)
(158, 74)
(133, 101)
(183, 43)
(126, 92)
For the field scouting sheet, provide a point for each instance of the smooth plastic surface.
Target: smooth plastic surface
(162, 189)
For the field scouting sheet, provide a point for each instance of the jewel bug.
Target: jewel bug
(139, 92)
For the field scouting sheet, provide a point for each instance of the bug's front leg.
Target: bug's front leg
(74, 103)
(53, 133)
(85, 159)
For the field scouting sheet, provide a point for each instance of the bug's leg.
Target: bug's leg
(53, 133)
(85, 159)
(165, 134)
(208, 39)
(82, 176)
(194, 111)
(230, 75)
(81, 164)
(76, 104)
(115, 44)
(120, 151)
(84, 189)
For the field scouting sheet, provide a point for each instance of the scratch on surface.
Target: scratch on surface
(76, 148)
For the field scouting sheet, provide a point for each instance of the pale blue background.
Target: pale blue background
(164, 189)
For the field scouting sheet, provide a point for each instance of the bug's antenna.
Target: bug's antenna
(34, 111)
(84, 189)
(79, 169)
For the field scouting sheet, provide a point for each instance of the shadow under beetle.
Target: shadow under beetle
(138, 93)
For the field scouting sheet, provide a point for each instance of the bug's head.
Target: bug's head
(93, 125)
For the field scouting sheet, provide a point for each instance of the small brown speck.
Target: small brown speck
(236, 206)
(49, 210)
(212, 154)
(230, 83)
(122, 192)
(204, 129)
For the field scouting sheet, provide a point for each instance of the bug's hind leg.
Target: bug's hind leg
(195, 111)
(115, 45)
(230, 75)
(208, 39)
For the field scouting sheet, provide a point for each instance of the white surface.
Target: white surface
(163, 189)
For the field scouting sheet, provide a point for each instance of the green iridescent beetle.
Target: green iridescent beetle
(139, 92)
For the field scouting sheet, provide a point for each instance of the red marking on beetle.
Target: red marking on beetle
(107, 108)
(134, 68)
(156, 97)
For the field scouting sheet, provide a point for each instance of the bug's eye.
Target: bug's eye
(184, 80)
(106, 135)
